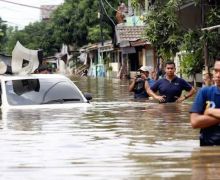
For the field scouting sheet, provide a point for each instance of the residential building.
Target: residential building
(135, 49)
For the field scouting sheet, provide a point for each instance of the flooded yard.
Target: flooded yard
(117, 138)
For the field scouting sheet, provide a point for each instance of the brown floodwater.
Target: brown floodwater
(117, 138)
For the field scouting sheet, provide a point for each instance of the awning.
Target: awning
(139, 43)
(128, 50)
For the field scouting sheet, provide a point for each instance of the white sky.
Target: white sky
(20, 16)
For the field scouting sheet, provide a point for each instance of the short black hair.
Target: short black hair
(170, 62)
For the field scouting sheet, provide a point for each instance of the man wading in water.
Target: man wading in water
(138, 84)
(205, 111)
(170, 87)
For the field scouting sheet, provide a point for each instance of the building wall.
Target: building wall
(146, 57)
(190, 17)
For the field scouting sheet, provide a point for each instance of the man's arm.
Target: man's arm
(203, 121)
(152, 94)
(186, 96)
(214, 112)
(190, 93)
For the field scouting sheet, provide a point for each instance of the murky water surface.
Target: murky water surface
(117, 138)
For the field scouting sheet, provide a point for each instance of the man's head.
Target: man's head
(170, 68)
(144, 70)
(216, 71)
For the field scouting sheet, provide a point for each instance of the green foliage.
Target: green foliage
(94, 34)
(194, 41)
(163, 29)
(3, 29)
(134, 3)
(192, 63)
(38, 35)
(73, 23)
(76, 22)
(213, 37)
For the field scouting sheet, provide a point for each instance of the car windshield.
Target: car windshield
(41, 91)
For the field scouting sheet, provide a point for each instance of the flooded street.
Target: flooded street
(117, 138)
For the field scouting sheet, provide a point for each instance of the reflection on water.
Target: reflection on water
(117, 138)
(206, 163)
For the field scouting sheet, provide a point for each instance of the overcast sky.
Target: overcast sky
(20, 16)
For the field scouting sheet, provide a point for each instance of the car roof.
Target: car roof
(30, 76)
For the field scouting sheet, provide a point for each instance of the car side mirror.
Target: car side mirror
(88, 96)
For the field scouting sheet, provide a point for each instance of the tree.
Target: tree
(163, 29)
(193, 44)
(76, 22)
(192, 61)
(212, 37)
(38, 35)
(3, 29)
(73, 23)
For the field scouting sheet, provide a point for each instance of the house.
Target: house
(123, 58)
(135, 49)
(100, 59)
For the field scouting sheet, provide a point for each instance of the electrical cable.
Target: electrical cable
(25, 5)
(111, 6)
(107, 13)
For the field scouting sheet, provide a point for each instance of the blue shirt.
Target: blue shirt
(139, 89)
(205, 98)
(171, 89)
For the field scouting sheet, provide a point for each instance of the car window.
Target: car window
(41, 91)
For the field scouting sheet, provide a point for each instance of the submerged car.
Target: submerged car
(41, 91)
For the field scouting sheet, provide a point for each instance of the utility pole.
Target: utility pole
(205, 47)
(100, 16)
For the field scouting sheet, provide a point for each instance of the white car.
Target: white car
(41, 91)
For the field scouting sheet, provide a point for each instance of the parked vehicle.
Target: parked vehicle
(41, 91)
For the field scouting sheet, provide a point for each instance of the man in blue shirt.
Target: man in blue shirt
(205, 111)
(170, 87)
(138, 84)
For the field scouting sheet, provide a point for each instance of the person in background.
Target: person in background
(153, 75)
(207, 79)
(205, 111)
(138, 84)
(170, 87)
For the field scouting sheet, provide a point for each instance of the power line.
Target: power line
(111, 6)
(103, 7)
(25, 5)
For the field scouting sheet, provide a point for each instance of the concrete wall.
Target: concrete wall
(190, 17)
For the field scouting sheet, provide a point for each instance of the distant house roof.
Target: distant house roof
(89, 47)
(127, 34)
(46, 11)
(106, 46)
